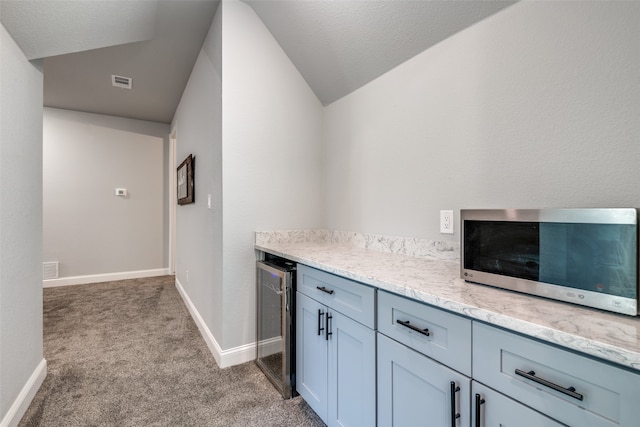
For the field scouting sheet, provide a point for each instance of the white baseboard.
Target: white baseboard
(22, 402)
(224, 358)
(107, 277)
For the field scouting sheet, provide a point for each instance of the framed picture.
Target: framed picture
(185, 181)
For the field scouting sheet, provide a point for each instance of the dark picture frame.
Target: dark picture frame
(186, 187)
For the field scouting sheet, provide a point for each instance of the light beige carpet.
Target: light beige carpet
(127, 353)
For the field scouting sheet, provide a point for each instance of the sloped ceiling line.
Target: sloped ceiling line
(338, 46)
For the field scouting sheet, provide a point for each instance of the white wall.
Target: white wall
(87, 228)
(198, 121)
(536, 106)
(532, 107)
(254, 127)
(272, 156)
(20, 230)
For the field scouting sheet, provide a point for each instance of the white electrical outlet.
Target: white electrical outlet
(446, 222)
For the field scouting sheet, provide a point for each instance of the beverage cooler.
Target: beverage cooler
(275, 318)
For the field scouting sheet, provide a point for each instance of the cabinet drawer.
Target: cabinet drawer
(449, 336)
(602, 395)
(350, 298)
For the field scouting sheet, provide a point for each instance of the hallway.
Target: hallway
(127, 353)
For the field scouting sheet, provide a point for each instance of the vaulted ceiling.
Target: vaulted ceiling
(338, 46)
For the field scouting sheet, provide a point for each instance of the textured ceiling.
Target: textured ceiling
(338, 46)
(47, 28)
(159, 68)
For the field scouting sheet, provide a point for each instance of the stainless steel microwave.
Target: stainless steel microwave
(582, 256)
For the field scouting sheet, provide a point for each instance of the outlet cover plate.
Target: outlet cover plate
(446, 222)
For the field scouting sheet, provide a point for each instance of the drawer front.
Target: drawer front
(449, 336)
(571, 388)
(350, 298)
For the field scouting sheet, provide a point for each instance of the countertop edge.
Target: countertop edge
(614, 354)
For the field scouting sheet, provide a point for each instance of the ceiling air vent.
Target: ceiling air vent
(120, 81)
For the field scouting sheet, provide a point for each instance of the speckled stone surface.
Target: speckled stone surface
(436, 281)
(421, 248)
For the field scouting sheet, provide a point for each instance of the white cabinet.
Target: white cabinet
(437, 368)
(414, 390)
(436, 333)
(311, 353)
(571, 388)
(351, 375)
(415, 342)
(492, 409)
(335, 355)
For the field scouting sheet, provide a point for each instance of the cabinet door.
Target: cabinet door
(414, 390)
(311, 353)
(492, 409)
(352, 373)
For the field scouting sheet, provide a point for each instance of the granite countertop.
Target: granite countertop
(608, 336)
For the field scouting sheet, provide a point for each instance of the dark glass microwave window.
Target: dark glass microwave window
(504, 248)
(593, 257)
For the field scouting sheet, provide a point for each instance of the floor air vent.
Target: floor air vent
(120, 81)
(50, 270)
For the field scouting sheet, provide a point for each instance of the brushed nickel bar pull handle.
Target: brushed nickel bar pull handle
(479, 401)
(325, 290)
(320, 328)
(531, 375)
(454, 414)
(408, 324)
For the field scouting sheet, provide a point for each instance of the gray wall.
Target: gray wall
(20, 221)
(272, 170)
(198, 122)
(85, 226)
(536, 106)
(256, 136)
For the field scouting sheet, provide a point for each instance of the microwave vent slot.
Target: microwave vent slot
(121, 81)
